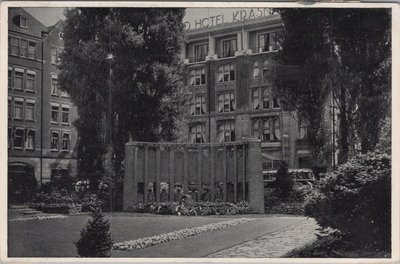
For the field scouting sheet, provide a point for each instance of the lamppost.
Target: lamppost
(109, 157)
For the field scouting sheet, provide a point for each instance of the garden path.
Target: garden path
(275, 244)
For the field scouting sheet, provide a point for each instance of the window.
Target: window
(275, 103)
(255, 99)
(197, 134)
(9, 108)
(18, 138)
(30, 139)
(268, 130)
(14, 43)
(30, 110)
(65, 142)
(302, 129)
(23, 22)
(61, 35)
(23, 49)
(226, 131)
(32, 50)
(65, 115)
(304, 162)
(9, 77)
(200, 52)
(197, 77)
(256, 129)
(54, 113)
(30, 81)
(198, 105)
(19, 79)
(226, 102)
(18, 108)
(229, 47)
(266, 68)
(266, 98)
(54, 85)
(267, 42)
(54, 143)
(226, 73)
(277, 129)
(10, 137)
(256, 70)
(54, 58)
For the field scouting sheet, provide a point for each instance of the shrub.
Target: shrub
(95, 240)
(299, 192)
(284, 182)
(270, 197)
(54, 202)
(91, 203)
(355, 200)
(199, 208)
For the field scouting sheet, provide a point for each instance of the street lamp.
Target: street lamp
(108, 162)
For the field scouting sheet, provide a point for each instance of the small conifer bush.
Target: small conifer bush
(95, 240)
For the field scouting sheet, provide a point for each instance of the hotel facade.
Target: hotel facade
(227, 69)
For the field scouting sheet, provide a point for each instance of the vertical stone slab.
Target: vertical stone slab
(135, 174)
(171, 173)
(185, 170)
(157, 188)
(244, 171)
(254, 176)
(146, 172)
(199, 186)
(235, 175)
(128, 179)
(212, 168)
(224, 172)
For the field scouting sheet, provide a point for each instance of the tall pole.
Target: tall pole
(110, 148)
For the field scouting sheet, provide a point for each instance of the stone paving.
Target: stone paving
(275, 244)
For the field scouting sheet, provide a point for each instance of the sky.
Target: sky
(49, 16)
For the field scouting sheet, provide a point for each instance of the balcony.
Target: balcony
(261, 49)
(193, 59)
(227, 54)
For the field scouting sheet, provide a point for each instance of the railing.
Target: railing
(196, 58)
(226, 54)
(259, 49)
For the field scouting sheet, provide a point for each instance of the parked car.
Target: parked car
(299, 175)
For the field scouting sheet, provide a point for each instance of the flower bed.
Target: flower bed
(199, 208)
(176, 235)
(38, 218)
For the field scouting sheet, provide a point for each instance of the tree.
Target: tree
(135, 53)
(284, 182)
(95, 240)
(344, 57)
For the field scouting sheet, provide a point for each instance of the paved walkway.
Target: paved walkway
(275, 244)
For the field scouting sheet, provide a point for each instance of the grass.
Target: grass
(56, 237)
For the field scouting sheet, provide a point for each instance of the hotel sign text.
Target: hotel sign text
(240, 15)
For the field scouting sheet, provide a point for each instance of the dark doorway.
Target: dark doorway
(21, 182)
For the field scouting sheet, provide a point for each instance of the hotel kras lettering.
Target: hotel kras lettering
(237, 16)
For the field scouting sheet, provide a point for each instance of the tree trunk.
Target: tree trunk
(343, 127)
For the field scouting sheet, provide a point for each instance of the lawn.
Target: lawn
(54, 238)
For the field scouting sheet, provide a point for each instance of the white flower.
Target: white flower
(176, 235)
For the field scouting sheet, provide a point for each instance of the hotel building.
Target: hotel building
(227, 73)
